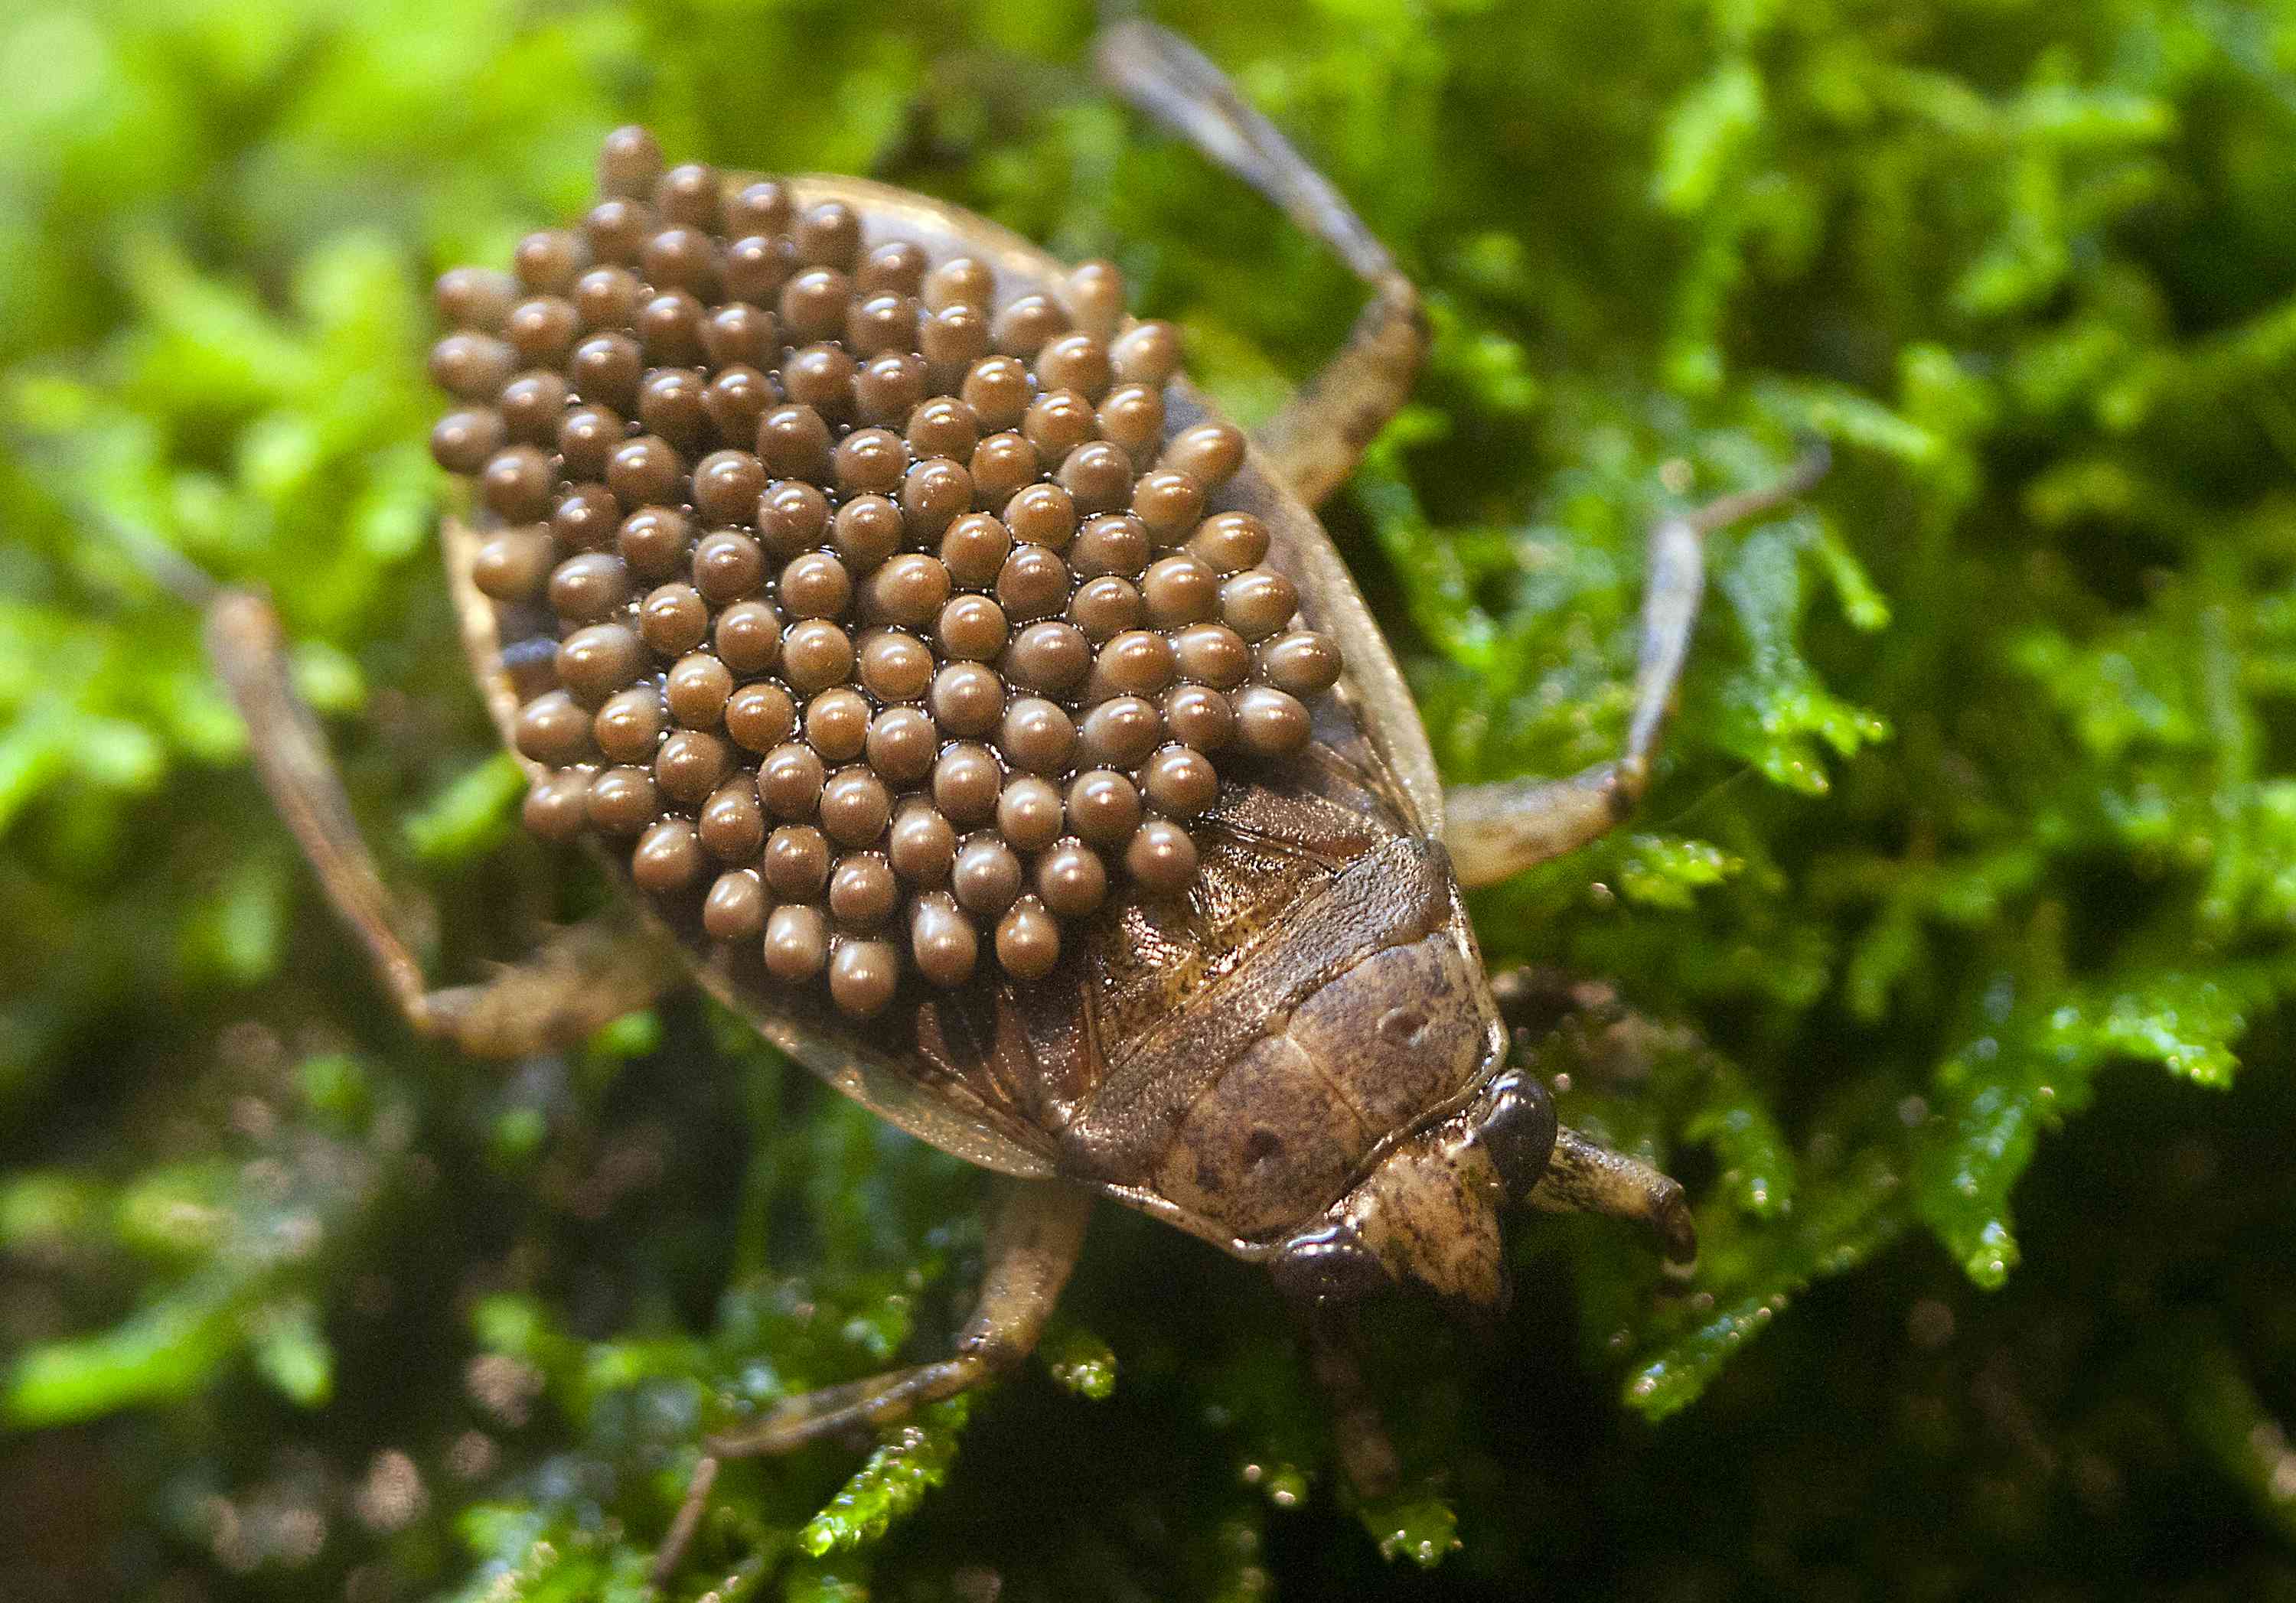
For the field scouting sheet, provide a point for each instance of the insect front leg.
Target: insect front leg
(1498, 830)
(1033, 1245)
(1315, 441)
(582, 978)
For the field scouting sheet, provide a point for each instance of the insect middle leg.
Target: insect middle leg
(1315, 441)
(585, 977)
(1498, 830)
(1033, 1246)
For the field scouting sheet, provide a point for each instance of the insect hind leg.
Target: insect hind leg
(1585, 1176)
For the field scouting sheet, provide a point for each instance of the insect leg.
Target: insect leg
(1498, 830)
(586, 976)
(1315, 441)
(1367, 1456)
(1033, 1245)
(1586, 1177)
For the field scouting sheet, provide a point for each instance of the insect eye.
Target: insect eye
(1517, 1129)
(1329, 1265)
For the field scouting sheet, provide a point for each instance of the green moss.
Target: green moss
(1957, 934)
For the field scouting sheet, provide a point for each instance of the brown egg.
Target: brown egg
(557, 808)
(1095, 292)
(671, 405)
(734, 909)
(688, 194)
(623, 801)
(922, 844)
(1169, 504)
(553, 729)
(837, 724)
(595, 662)
(764, 207)
(1147, 353)
(513, 564)
(616, 229)
(760, 716)
(855, 807)
(732, 821)
(667, 857)
(821, 376)
(1180, 782)
(971, 628)
(748, 636)
(973, 550)
(897, 266)
(549, 260)
(943, 426)
(1121, 731)
(1025, 326)
(607, 298)
(606, 369)
(728, 565)
(531, 406)
(1132, 419)
(797, 943)
(727, 484)
(960, 280)
(796, 863)
(1036, 735)
(816, 584)
(1104, 806)
(817, 654)
(697, 691)
(589, 588)
(682, 263)
(587, 518)
(463, 441)
(996, 389)
(668, 326)
(1043, 514)
(1049, 657)
(739, 333)
(966, 783)
(1105, 607)
(1160, 858)
(736, 402)
(474, 298)
(987, 875)
(645, 472)
(1302, 662)
(902, 743)
(1029, 815)
(909, 591)
(792, 518)
(967, 698)
(1027, 940)
(1211, 654)
(1098, 475)
(951, 342)
(828, 234)
(1179, 591)
(756, 267)
(1230, 543)
(673, 619)
(1002, 465)
(1257, 603)
(542, 329)
(933, 493)
(881, 323)
(812, 305)
(1272, 724)
(1075, 361)
(655, 542)
(942, 940)
(690, 765)
(863, 891)
(1111, 543)
(894, 666)
(789, 781)
(1207, 453)
(1199, 716)
(863, 976)
(888, 386)
(866, 531)
(793, 443)
(586, 437)
(1138, 662)
(1058, 423)
(628, 162)
(516, 484)
(1071, 879)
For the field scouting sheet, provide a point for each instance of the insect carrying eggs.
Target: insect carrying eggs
(893, 634)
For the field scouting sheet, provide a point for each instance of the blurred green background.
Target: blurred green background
(1957, 934)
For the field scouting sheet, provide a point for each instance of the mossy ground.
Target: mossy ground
(1962, 915)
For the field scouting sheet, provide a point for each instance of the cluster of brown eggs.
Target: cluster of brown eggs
(887, 618)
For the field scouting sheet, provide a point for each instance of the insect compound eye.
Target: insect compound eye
(1516, 1127)
(1331, 1265)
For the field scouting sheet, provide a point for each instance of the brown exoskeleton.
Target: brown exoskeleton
(1285, 1045)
